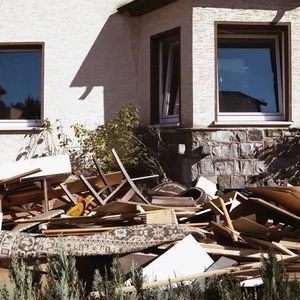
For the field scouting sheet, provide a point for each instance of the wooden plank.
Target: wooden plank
(238, 253)
(128, 196)
(126, 175)
(164, 216)
(285, 213)
(203, 275)
(92, 190)
(245, 225)
(102, 175)
(288, 197)
(68, 194)
(36, 220)
(17, 178)
(294, 245)
(214, 208)
(228, 220)
(173, 201)
(221, 232)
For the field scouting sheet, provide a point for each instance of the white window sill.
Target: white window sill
(254, 123)
(22, 125)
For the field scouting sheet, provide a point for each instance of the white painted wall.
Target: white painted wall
(103, 58)
(86, 46)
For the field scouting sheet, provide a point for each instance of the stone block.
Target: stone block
(244, 167)
(240, 136)
(207, 167)
(273, 132)
(234, 153)
(255, 135)
(223, 136)
(224, 167)
(249, 150)
(224, 181)
(222, 151)
(238, 182)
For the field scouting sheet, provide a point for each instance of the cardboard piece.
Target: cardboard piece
(187, 257)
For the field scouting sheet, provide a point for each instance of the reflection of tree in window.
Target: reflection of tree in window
(20, 74)
(31, 108)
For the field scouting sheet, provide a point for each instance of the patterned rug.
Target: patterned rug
(120, 240)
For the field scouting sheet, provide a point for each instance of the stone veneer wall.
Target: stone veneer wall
(234, 158)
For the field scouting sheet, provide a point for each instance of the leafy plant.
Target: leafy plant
(117, 133)
(51, 140)
(63, 282)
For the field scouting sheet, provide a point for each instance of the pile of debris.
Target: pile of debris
(174, 233)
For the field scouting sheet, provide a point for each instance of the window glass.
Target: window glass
(170, 79)
(247, 76)
(20, 84)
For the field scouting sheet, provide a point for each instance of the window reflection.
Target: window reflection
(247, 76)
(20, 84)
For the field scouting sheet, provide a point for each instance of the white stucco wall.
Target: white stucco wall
(205, 14)
(77, 35)
(177, 14)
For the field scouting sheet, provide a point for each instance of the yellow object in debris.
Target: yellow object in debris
(79, 208)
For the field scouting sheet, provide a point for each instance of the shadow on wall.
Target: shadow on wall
(110, 63)
(282, 161)
(279, 5)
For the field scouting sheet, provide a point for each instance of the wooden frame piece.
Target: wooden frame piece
(129, 180)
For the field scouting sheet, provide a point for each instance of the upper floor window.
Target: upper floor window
(252, 73)
(165, 77)
(20, 85)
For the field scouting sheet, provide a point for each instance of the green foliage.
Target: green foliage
(22, 283)
(117, 133)
(63, 282)
(276, 285)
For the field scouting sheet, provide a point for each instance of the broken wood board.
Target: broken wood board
(139, 259)
(238, 253)
(173, 201)
(33, 194)
(123, 207)
(164, 216)
(289, 197)
(35, 220)
(248, 226)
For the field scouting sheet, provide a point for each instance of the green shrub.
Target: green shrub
(117, 133)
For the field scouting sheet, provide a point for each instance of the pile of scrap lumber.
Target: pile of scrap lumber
(175, 233)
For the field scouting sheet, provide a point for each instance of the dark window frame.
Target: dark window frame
(24, 124)
(283, 32)
(155, 97)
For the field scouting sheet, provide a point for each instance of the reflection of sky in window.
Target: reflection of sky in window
(249, 71)
(20, 73)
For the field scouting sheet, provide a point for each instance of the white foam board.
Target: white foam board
(187, 257)
(49, 165)
(209, 187)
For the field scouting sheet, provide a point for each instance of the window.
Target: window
(165, 77)
(20, 85)
(252, 73)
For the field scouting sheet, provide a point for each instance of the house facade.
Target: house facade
(219, 77)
